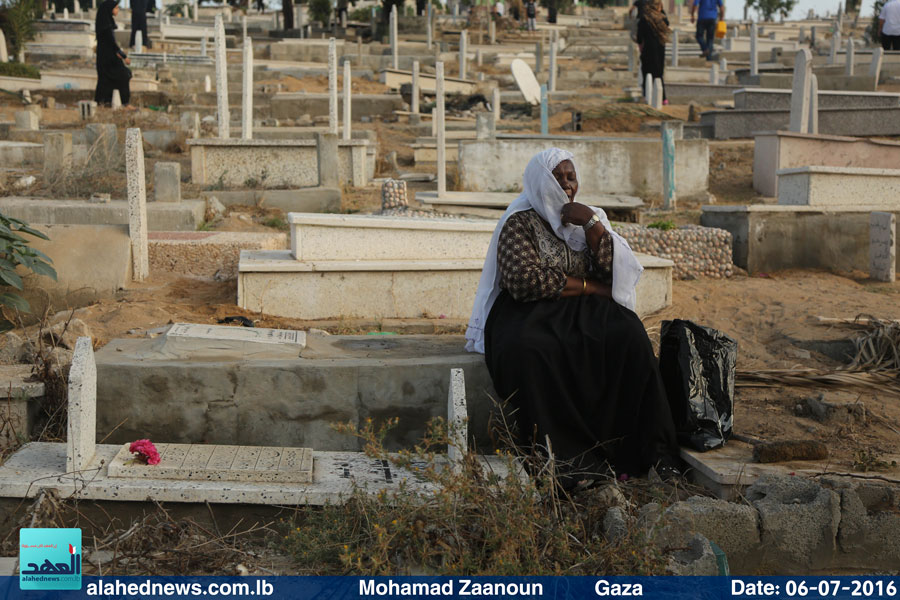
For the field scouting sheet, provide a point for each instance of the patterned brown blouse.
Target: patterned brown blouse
(534, 263)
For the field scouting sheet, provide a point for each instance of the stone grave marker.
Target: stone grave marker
(348, 102)
(875, 66)
(495, 105)
(3, 56)
(438, 120)
(167, 182)
(463, 49)
(137, 203)
(526, 81)
(883, 246)
(813, 105)
(552, 78)
(222, 80)
(87, 108)
(27, 120)
(57, 155)
(457, 418)
(247, 97)
(851, 59)
(332, 88)
(116, 102)
(754, 55)
(81, 440)
(138, 41)
(800, 91)
(414, 105)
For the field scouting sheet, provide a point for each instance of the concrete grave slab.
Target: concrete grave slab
(774, 151)
(839, 186)
(208, 462)
(82, 398)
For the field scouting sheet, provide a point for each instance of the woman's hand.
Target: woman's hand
(575, 213)
(127, 61)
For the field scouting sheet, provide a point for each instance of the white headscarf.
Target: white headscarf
(543, 193)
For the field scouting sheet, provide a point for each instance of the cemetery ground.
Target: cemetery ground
(794, 324)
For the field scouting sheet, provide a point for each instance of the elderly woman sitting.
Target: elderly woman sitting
(554, 316)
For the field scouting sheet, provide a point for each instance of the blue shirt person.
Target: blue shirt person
(709, 12)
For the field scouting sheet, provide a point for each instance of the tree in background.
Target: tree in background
(320, 10)
(17, 21)
(769, 8)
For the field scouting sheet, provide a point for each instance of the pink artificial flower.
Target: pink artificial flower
(146, 452)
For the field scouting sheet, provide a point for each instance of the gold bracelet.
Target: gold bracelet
(583, 285)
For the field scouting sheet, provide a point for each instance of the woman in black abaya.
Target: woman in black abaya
(554, 316)
(112, 74)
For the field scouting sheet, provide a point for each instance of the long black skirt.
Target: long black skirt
(582, 372)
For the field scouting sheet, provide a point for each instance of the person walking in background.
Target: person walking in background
(652, 35)
(139, 22)
(531, 14)
(889, 25)
(710, 11)
(112, 74)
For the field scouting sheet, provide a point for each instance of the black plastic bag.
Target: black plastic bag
(697, 368)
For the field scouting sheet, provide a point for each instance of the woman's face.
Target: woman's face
(565, 176)
(115, 10)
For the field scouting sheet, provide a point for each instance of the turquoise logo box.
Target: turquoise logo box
(49, 559)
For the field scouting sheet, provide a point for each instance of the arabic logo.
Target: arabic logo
(61, 568)
(50, 559)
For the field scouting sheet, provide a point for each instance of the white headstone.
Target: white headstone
(138, 41)
(813, 104)
(224, 116)
(714, 74)
(347, 100)
(203, 43)
(332, 88)
(851, 59)
(526, 81)
(492, 32)
(835, 44)
(552, 77)
(875, 66)
(137, 203)
(3, 56)
(207, 84)
(195, 13)
(479, 58)
(428, 24)
(66, 14)
(439, 124)
(754, 54)
(244, 27)
(800, 91)
(81, 438)
(457, 419)
(723, 66)
(495, 104)
(247, 96)
(414, 106)
(657, 93)
(883, 246)
(462, 53)
(648, 89)
(675, 49)
(116, 102)
(395, 59)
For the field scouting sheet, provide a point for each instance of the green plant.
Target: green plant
(15, 69)
(320, 10)
(276, 223)
(664, 225)
(769, 8)
(17, 19)
(204, 226)
(15, 252)
(179, 9)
